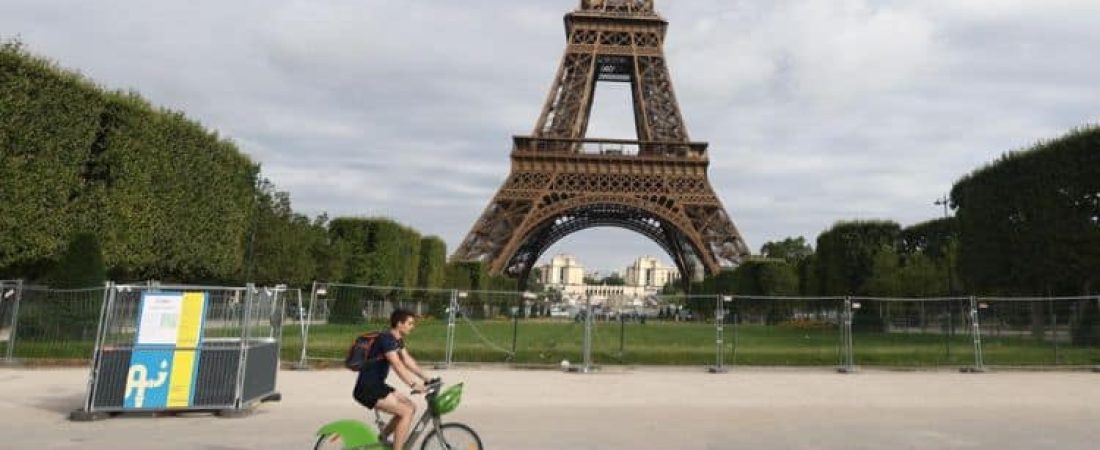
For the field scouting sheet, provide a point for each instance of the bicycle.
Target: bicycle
(352, 434)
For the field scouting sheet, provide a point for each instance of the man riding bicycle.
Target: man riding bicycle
(371, 389)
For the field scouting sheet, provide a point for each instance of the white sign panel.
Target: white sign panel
(160, 318)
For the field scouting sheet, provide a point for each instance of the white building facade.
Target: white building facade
(646, 277)
(648, 272)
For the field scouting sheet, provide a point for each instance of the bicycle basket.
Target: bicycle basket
(447, 400)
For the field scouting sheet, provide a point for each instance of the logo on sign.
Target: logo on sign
(138, 383)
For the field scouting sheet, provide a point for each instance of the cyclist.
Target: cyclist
(371, 389)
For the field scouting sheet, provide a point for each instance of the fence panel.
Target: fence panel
(217, 345)
(786, 331)
(913, 332)
(627, 333)
(494, 327)
(55, 323)
(706, 330)
(294, 325)
(678, 329)
(336, 313)
(1040, 331)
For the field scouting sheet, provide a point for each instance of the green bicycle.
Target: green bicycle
(353, 434)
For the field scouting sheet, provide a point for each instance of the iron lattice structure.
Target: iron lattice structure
(562, 182)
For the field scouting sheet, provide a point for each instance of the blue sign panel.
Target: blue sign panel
(148, 380)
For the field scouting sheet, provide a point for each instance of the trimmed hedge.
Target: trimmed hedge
(166, 198)
(1030, 222)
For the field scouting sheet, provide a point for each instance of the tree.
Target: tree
(792, 250)
(613, 280)
(1029, 223)
(845, 254)
(433, 263)
(885, 277)
(284, 242)
(168, 198)
(81, 267)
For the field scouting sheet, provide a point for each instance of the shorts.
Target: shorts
(369, 394)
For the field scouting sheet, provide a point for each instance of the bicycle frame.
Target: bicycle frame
(354, 432)
(421, 426)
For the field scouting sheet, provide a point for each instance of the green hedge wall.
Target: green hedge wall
(1030, 222)
(845, 254)
(166, 198)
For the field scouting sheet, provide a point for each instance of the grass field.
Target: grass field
(679, 343)
(541, 342)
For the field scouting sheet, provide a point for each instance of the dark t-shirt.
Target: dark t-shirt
(376, 372)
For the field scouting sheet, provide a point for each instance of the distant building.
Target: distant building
(563, 270)
(646, 277)
(648, 272)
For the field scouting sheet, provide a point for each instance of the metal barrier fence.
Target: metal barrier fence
(1062, 331)
(53, 324)
(469, 326)
(788, 331)
(711, 331)
(218, 347)
(925, 332)
(10, 294)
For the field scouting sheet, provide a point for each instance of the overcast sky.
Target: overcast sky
(816, 110)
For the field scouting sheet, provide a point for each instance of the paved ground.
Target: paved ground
(620, 409)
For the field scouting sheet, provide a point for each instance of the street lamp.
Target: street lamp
(945, 202)
(946, 250)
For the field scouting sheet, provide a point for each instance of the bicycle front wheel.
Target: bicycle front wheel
(329, 442)
(454, 436)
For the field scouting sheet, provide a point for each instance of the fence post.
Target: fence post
(1053, 329)
(18, 294)
(1096, 368)
(976, 332)
(246, 325)
(109, 296)
(307, 318)
(622, 334)
(719, 334)
(846, 338)
(450, 346)
(734, 318)
(587, 350)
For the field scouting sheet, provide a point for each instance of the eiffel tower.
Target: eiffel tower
(562, 182)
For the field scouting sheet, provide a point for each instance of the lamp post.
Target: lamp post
(944, 201)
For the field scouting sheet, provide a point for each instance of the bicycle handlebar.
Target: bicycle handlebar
(433, 386)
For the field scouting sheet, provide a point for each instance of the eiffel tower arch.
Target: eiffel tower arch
(562, 182)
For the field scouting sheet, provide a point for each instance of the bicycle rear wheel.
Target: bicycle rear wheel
(455, 436)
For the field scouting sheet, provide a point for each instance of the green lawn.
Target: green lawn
(678, 343)
(655, 343)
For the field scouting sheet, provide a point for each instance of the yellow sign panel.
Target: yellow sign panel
(191, 316)
(182, 386)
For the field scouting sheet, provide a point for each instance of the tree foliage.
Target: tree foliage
(80, 267)
(1030, 222)
(793, 250)
(845, 254)
(433, 263)
(166, 198)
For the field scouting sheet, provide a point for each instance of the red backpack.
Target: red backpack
(358, 356)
